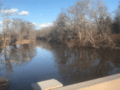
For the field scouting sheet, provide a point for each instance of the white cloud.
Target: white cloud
(46, 25)
(23, 13)
(35, 24)
(1, 22)
(11, 11)
(40, 14)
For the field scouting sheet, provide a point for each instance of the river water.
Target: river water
(31, 63)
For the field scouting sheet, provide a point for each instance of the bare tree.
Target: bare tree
(87, 21)
(6, 29)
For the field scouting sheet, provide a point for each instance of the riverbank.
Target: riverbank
(8, 42)
(4, 84)
(111, 42)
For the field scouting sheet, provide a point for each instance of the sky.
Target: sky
(43, 12)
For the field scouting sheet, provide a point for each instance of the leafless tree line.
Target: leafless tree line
(15, 29)
(88, 22)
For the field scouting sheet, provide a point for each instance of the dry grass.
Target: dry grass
(17, 42)
(5, 38)
(25, 41)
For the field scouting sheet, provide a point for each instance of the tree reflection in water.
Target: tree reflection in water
(73, 64)
(16, 55)
(81, 64)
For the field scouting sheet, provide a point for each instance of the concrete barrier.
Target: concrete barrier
(46, 85)
(105, 83)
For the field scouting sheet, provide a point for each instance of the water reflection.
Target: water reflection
(16, 55)
(68, 65)
(81, 64)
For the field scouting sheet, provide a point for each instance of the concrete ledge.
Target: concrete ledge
(46, 85)
(105, 83)
(110, 85)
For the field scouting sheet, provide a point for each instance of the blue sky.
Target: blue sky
(44, 12)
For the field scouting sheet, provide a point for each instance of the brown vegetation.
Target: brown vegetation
(87, 23)
(15, 30)
(18, 30)
(25, 41)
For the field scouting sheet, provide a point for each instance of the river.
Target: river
(31, 63)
